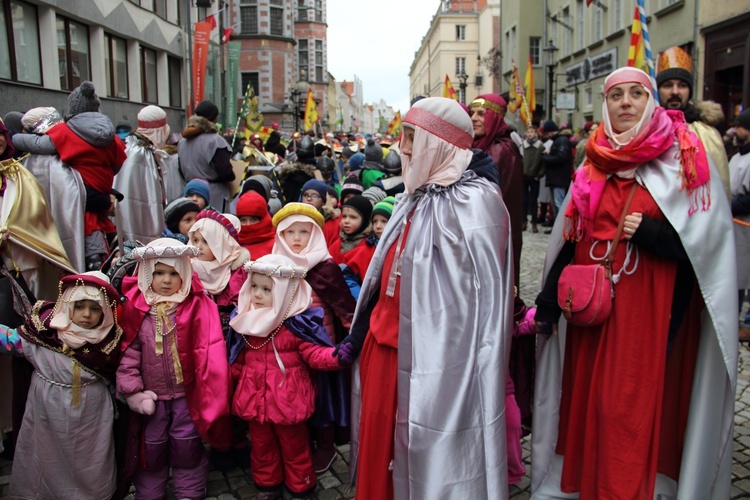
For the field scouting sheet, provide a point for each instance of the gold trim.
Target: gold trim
(484, 103)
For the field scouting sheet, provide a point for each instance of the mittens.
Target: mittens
(142, 402)
(346, 353)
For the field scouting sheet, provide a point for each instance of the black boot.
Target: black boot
(324, 453)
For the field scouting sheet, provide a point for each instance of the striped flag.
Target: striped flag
(516, 90)
(529, 99)
(394, 128)
(639, 53)
(448, 90)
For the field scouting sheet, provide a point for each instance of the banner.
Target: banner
(232, 84)
(394, 128)
(251, 113)
(529, 99)
(639, 53)
(200, 59)
(448, 90)
(516, 93)
(311, 111)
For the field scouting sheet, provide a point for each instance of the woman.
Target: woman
(435, 318)
(647, 397)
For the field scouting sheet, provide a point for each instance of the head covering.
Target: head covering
(494, 119)
(9, 149)
(318, 186)
(12, 121)
(384, 208)
(40, 120)
(392, 163)
(675, 63)
(743, 120)
(351, 185)
(620, 76)
(587, 126)
(305, 149)
(176, 210)
(169, 252)
(83, 99)
(356, 161)
(207, 110)
(374, 194)
(326, 165)
(373, 151)
(363, 207)
(93, 285)
(152, 124)
(199, 187)
(260, 184)
(316, 250)
(254, 205)
(550, 126)
(441, 150)
(291, 296)
(350, 149)
(331, 191)
(221, 232)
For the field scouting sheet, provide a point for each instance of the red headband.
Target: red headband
(439, 127)
(627, 75)
(152, 123)
(214, 215)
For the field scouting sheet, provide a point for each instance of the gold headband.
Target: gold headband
(480, 101)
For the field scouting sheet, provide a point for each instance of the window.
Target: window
(148, 75)
(460, 66)
(160, 8)
(20, 58)
(318, 60)
(567, 38)
(277, 21)
(252, 79)
(249, 17)
(460, 32)
(319, 10)
(513, 44)
(302, 11)
(303, 61)
(589, 98)
(175, 82)
(116, 66)
(597, 23)
(616, 15)
(535, 50)
(73, 53)
(581, 20)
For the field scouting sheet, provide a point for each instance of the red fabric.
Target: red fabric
(228, 297)
(257, 238)
(97, 166)
(97, 221)
(613, 398)
(203, 356)
(358, 258)
(281, 454)
(332, 230)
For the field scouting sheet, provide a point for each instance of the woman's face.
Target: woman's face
(625, 105)
(477, 120)
(407, 141)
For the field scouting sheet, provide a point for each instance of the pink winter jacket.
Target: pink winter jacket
(141, 369)
(264, 393)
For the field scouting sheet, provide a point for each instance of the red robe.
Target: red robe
(625, 396)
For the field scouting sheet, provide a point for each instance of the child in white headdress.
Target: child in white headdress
(283, 338)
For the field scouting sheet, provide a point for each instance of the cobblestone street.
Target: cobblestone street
(237, 484)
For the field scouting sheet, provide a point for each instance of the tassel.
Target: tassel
(176, 359)
(76, 384)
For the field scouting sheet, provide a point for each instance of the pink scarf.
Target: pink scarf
(603, 160)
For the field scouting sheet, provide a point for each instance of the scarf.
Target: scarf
(71, 334)
(603, 160)
(146, 271)
(254, 205)
(9, 149)
(494, 120)
(313, 254)
(215, 274)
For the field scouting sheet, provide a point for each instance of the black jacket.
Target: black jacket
(559, 162)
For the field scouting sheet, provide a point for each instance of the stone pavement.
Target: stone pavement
(237, 484)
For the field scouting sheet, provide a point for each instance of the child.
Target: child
(198, 191)
(275, 388)
(179, 217)
(355, 228)
(65, 447)
(257, 233)
(381, 214)
(299, 236)
(174, 371)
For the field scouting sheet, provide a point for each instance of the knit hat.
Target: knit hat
(373, 151)
(351, 185)
(251, 204)
(356, 161)
(260, 184)
(176, 210)
(207, 110)
(384, 208)
(374, 194)
(318, 186)
(301, 209)
(675, 63)
(13, 122)
(83, 99)
(230, 222)
(330, 190)
(363, 207)
(199, 187)
(549, 126)
(743, 120)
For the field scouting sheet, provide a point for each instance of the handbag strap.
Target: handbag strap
(611, 254)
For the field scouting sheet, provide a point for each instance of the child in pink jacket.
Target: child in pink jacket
(275, 392)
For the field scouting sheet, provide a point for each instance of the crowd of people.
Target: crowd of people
(170, 312)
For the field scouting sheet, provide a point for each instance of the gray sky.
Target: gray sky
(376, 41)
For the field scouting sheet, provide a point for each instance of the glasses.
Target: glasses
(312, 196)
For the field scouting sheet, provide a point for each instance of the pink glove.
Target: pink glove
(142, 402)
(526, 326)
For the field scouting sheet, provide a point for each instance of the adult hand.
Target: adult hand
(632, 222)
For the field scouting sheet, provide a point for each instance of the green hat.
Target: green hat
(384, 208)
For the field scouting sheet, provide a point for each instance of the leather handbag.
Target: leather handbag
(585, 291)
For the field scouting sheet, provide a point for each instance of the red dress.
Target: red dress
(378, 374)
(625, 395)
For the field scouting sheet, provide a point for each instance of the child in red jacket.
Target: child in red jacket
(275, 388)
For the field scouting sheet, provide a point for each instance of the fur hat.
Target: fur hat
(83, 99)
(199, 187)
(176, 210)
(207, 110)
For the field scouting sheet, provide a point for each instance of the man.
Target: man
(675, 85)
(739, 174)
(533, 170)
(557, 163)
(588, 129)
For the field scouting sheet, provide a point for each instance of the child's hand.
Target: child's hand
(527, 326)
(142, 402)
(346, 353)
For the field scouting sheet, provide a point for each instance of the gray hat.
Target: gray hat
(83, 99)
(306, 149)
(373, 151)
(392, 163)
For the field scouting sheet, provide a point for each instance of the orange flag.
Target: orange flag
(448, 89)
(529, 99)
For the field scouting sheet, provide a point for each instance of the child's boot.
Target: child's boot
(325, 452)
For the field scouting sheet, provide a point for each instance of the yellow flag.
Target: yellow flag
(311, 111)
(529, 99)
(394, 128)
(448, 90)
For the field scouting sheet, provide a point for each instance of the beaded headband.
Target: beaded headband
(439, 127)
(218, 217)
(484, 103)
(158, 123)
(145, 253)
(275, 270)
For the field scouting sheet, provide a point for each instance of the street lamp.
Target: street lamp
(300, 89)
(550, 50)
(462, 77)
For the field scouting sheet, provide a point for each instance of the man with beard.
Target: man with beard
(675, 84)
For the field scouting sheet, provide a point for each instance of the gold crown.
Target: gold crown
(298, 209)
(675, 57)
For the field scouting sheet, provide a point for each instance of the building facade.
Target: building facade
(463, 42)
(133, 51)
(376, 117)
(350, 103)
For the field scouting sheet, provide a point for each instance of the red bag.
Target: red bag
(585, 292)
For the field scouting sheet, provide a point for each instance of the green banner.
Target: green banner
(232, 82)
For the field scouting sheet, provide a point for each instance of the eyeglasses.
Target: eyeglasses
(312, 196)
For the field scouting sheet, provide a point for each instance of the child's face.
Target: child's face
(249, 220)
(200, 242)
(350, 220)
(297, 236)
(262, 288)
(87, 314)
(198, 199)
(186, 223)
(312, 197)
(166, 280)
(378, 224)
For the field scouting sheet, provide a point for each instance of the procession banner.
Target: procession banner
(233, 69)
(200, 59)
